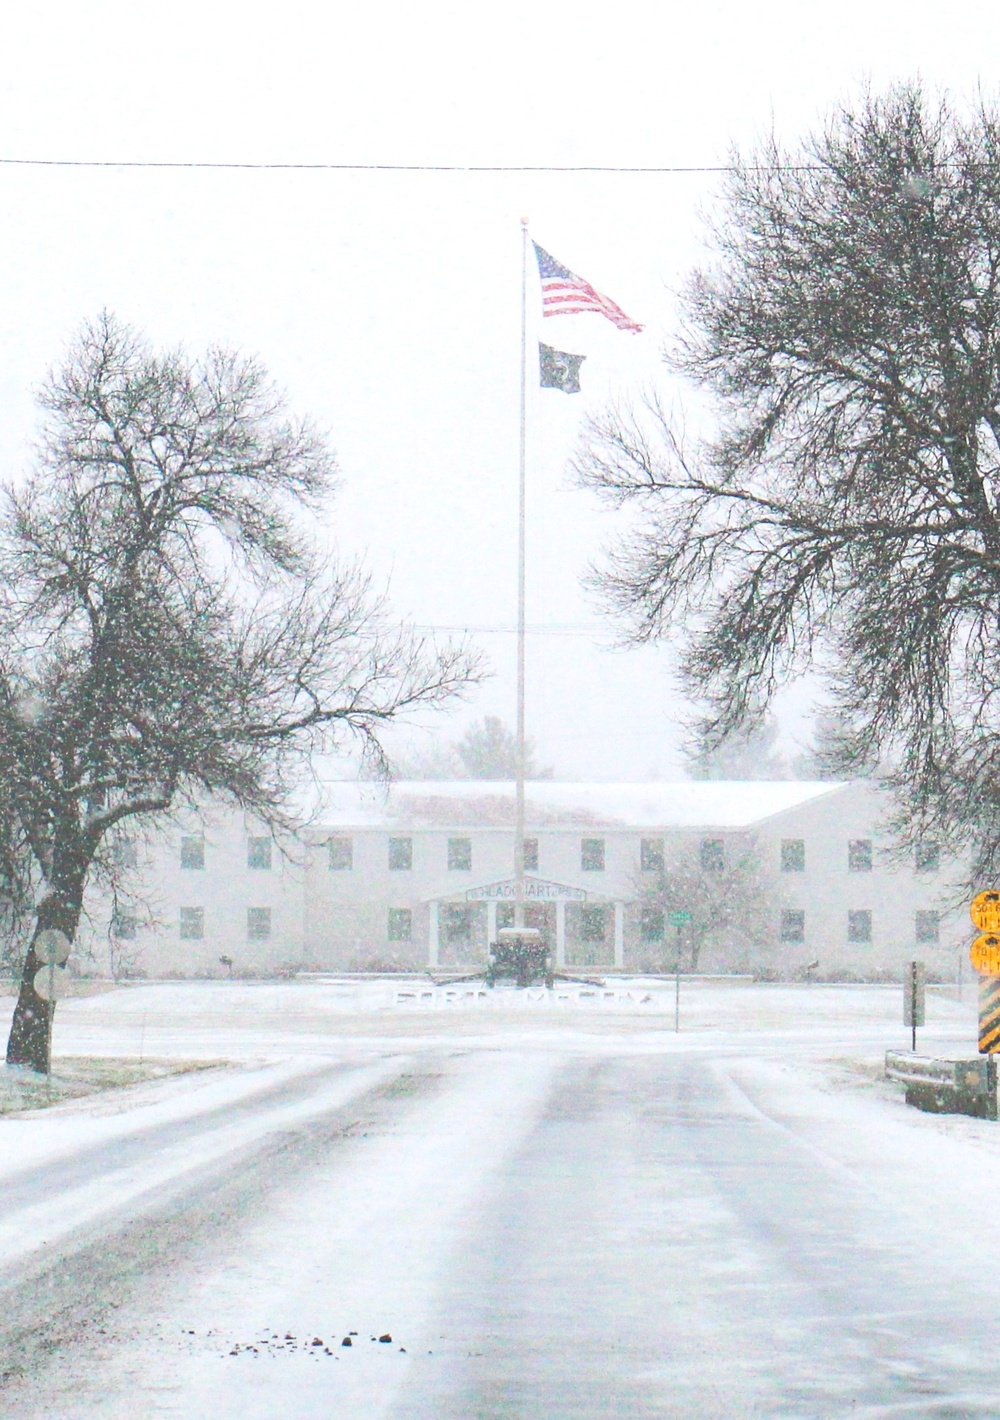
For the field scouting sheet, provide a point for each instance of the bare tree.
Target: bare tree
(823, 756)
(750, 753)
(487, 750)
(167, 631)
(731, 900)
(17, 890)
(846, 513)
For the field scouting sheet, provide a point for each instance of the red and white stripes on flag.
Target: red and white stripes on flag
(564, 294)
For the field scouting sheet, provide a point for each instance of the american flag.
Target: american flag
(564, 294)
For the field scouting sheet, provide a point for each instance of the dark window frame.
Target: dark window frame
(259, 853)
(457, 925)
(340, 853)
(927, 925)
(793, 855)
(260, 924)
(590, 916)
(400, 854)
(860, 927)
(399, 924)
(460, 855)
(712, 855)
(651, 855)
(793, 925)
(124, 853)
(193, 852)
(926, 856)
(860, 855)
(652, 924)
(191, 924)
(592, 855)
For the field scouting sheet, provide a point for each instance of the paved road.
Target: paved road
(545, 1236)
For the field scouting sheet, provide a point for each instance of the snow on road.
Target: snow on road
(49, 1188)
(553, 1214)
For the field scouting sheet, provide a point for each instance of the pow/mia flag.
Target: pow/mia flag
(559, 370)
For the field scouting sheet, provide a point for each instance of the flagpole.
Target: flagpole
(519, 827)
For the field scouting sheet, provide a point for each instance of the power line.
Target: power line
(400, 167)
(554, 629)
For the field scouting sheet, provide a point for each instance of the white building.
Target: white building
(422, 875)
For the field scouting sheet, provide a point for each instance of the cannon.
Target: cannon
(520, 954)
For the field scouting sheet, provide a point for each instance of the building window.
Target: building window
(928, 926)
(535, 915)
(859, 926)
(793, 855)
(124, 927)
(193, 852)
(651, 924)
(192, 924)
(592, 856)
(793, 925)
(457, 924)
(400, 924)
(400, 854)
(859, 855)
(258, 924)
(651, 855)
(531, 855)
(927, 857)
(124, 854)
(340, 854)
(259, 853)
(593, 924)
(460, 854)
(712, 855)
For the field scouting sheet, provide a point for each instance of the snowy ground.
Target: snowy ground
(241, 1020)
(556, 1209)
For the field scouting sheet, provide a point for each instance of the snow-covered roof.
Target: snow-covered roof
(485, 803)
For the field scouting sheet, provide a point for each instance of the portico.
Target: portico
(540, 894)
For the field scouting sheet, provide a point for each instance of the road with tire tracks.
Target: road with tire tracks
(561, 1233)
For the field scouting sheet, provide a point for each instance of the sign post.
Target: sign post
(985, 957)
(914, 999)
(51, 947)
(677, 920)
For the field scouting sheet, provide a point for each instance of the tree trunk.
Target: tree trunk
(696, 945)
(30, 1040)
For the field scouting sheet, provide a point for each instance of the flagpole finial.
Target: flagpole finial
(524, 221)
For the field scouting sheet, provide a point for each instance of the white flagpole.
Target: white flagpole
(519, 828)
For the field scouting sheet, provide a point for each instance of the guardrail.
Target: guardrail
(946, 1086)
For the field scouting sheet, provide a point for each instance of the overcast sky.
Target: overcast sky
(387, 304)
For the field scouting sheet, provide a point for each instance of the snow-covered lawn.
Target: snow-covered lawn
(248, 1020)
(75, 1078)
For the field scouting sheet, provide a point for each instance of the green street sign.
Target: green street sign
(677, 919)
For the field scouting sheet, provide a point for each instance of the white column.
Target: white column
(619, 934)
(560, 932)
(433, 936)
(491, 921)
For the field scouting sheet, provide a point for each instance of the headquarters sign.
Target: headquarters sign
(535, 890)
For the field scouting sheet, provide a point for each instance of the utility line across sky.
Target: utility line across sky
(556, 630)
(401, 167)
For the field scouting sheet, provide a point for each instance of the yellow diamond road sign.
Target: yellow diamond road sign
(985, 954)
(985, 911)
